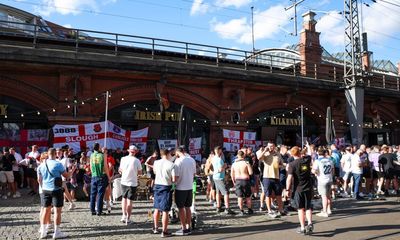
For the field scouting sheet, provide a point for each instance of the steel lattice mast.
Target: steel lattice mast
(353, 72)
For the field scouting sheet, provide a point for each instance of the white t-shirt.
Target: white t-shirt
(18, 159)
(66, 162)
(185, 169)
(325, 168)
(164, 171)
(88, 154)
(346, 160)
(130, 166)
(355, 164)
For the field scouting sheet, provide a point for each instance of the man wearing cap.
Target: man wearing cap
(100, 179)
(129, 168)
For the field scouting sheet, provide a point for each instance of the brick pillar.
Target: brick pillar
(309, 47)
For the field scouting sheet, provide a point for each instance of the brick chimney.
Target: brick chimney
(366, 54)
(309, 47)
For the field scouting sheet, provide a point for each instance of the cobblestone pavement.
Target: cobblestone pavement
(351, 220)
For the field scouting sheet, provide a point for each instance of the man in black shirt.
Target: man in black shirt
(389, 166)
(300, 172)
(8, 161)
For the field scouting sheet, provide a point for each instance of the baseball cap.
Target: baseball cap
(132, 148)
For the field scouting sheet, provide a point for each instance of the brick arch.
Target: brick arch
(26, 92)
(177, 95)
(272, 101)
(386, 113)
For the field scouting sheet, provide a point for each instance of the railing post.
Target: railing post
(334, 74)
(245, 60)
(35, 36)
(398, 84)
(369, 82)
(315, 71)
(116, 45)
(76, 40)
(294, 67)
(186, 52)
(152, 48)
(383, 81)
(217, 60)
(270, 63)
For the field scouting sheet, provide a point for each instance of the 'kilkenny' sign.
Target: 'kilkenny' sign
(285, 121)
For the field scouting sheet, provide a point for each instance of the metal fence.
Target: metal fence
(97, 42)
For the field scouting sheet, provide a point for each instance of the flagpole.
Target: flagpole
(106, 121)
(302, 127)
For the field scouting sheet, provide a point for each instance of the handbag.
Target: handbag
(57, 180)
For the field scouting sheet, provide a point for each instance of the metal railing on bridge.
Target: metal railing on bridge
(98, 42)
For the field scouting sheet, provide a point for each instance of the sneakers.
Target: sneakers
(18, 194)
(155, 230)
(128, 221)
(219, 210)
(4, 197)
(165, 234)
(72, 206)
(329, 212)
(123, 219)
(181, 232)
(272, 215)
(310, 229)
(229, 211)
(263, 208)
(59, 235)
(299, 230)
(322, 214)
(241, 213)
(42, 234)
(250, 211)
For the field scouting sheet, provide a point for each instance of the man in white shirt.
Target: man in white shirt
(165, 171)
(16, 171)
(130, 168)
(345, 163)
(324, 169)
(185, 172)
(356, 171)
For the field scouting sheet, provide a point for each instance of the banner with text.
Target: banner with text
(194, 148)
(234, 140)
(23, 139)
(164, 144)
(80, 137)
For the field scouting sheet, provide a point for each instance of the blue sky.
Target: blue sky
(224, 23)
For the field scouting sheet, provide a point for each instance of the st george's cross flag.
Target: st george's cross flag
(234, 140)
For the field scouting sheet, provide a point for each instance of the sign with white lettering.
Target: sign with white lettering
(234, 140)
(156, 116)
(164, 144)
(285, 121)
(194, 148)
(80, 137)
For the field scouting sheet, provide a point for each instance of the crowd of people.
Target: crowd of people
(281, 178)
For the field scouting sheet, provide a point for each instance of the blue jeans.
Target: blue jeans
(357, 181)
(97, 190)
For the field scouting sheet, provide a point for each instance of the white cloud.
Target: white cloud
(199, 7)
(234, 3)
(379, 21)
(67, 25)
(65, 7)
(331, 26)
(267, 24)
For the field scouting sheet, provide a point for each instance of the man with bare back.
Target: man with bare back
(240, 173)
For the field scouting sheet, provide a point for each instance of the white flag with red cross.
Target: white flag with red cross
(82, 136)
(234, 140)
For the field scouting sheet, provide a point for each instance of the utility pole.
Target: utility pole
(294, 5)
(353, 72)
(252, 27)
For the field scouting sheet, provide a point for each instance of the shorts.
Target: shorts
(367, 173)
(391, 174)
(262, 185)
(302, 200)
(243, 188)
(220, 186)
(128, 192)
(70, 186)
(162, 197)
(272, 185)
(152, 175)
(346, 176)
(324, 189)
(6, 177)
(31, 173)
(377, 174)
(183, 198)
(52, 198)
